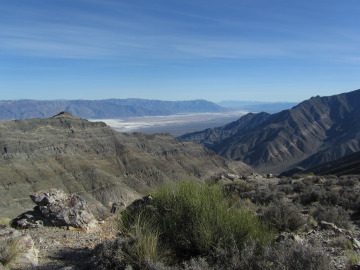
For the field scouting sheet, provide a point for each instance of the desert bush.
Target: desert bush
(349, 199)
(309, 196)
(238, 187)
(330, 181)
(285, 255)
(331, 197)
(309, 180)
(284, 216)
(285, 181)
(111, 253)
(333, 214)
(343, 242)
(297, 176)
(195, 219)
(287, 189)
(291, 255)
(266, 196)
(348, 181)
(299, 187)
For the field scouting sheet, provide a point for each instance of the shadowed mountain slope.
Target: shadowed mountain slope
(95, 161)
(347, 165)
(101, 109)
(318, 130)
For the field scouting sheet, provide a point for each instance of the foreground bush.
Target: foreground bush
(189, 220)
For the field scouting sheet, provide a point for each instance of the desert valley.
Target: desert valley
(265, 191)
(179, 135)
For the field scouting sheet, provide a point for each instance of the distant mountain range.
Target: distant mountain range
(257, 106)
(102, 109)
(317, 130)
(92, 159)
(122, 108)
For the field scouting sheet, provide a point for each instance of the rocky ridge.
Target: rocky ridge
(93, 160)
(318, 130)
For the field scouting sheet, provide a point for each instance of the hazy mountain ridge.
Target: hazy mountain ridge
(257, 106)
(210, 136)
(101, 109)
(315, 131)
(92, 159)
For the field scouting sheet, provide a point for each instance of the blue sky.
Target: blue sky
(179, 49)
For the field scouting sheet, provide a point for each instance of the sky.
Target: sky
(257, 50)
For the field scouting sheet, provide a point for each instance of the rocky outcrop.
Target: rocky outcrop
(57, 208)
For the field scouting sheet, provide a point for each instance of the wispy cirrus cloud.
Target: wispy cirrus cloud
(127, 30)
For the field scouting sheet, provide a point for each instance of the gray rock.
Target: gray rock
(232, 176)
(70, 211)
(63, 210)
(356, 243)
(56, 208)
(46, 197)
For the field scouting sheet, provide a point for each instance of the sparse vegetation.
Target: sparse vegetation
(291, 255)
(353, 259)
(228, 225)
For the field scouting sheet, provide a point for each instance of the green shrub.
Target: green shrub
(194, 219)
